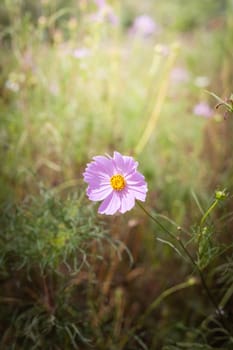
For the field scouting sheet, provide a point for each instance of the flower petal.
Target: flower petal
(129, 165)
(135, 178)
(137, 186)
(110, 205)
(98, 194)
(124, 164)
(118, 161)
(104, 164)
(138, 192)
(101, 168)
(127, 201)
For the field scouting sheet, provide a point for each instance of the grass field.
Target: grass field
(151, 80)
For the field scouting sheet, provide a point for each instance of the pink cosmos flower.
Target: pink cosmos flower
(144, 26)
(104, 13)
(179, 75)
(202, 109)
(81, 53)
(115, 181)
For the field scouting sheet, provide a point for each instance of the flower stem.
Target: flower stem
(189, 283)
(156, 221)
(193, 263)
(162, 92)
(204, 217)
(208, 212)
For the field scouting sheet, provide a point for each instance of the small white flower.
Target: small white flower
(12, 86)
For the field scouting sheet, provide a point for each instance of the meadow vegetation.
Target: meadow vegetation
(152, 80)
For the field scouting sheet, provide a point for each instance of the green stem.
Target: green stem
(190, 282)
(161, 95)
(196, 267)
(208, 212)
(156, 221)
(204, 217)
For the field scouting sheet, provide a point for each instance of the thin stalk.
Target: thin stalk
(189, 283)
(196, 267)
(156, 221)
(162, 93)
(204, 217)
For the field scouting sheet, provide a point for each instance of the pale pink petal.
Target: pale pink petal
(104, 164)
(135, 178)
(92, 173)
(124, 164)
(130, 164)
(101, 167)
(118, 161)
(110, 205)
(98, 194)
(98, 173)
(96, 182)
(139, 192)
(127, 201)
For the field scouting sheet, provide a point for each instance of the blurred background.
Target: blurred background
(80, 78)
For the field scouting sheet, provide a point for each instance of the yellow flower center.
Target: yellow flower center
(117, 182)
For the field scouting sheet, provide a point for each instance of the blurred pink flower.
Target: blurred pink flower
(144, 25)
(179, 75)
(81, 53)
(162, 49)
(202, 109)
(105, 13)
(100, 3)
(115, 181)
